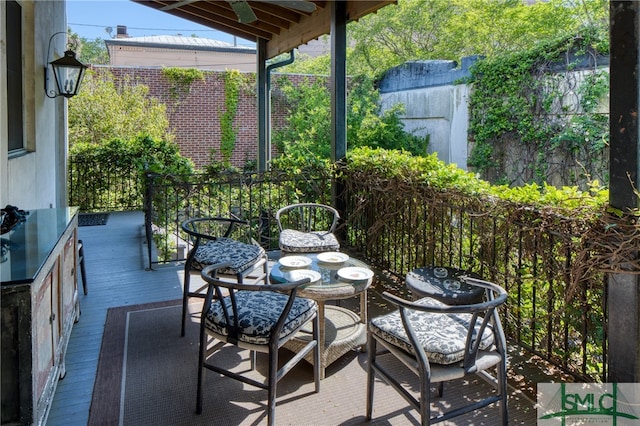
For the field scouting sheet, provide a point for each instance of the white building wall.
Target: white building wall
(36, 178)
(440, 112)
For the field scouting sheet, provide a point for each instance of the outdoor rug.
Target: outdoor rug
(92, 219)
(147, 375)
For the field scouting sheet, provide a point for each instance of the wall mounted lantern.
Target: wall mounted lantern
(68, 72)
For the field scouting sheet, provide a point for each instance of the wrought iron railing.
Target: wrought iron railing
(102, 186)
(549, 312)
(254, 197)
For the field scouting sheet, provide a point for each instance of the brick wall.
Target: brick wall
(194, 115)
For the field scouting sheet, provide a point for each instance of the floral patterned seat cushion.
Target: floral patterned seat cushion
(258, 312)
(443, 336)
(292, 240)
(241, 255)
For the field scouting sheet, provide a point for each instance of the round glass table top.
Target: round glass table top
(339, 274)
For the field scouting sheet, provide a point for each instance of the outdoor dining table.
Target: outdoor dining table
(334, 276)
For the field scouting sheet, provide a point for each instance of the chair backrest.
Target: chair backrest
(479, 318)
(226, 290)
(210, 228)
(308, 217)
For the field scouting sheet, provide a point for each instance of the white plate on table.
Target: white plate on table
(299, 274)
(355, 273)
(295, 261)
(333, 257)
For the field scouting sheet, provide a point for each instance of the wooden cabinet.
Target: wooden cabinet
(39, 305)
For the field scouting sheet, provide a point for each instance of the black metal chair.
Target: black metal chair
(261, 318)
(307, 228)
(440, 343)
(218, 240)
(83, 273)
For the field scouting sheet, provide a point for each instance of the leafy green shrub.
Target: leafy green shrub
(103, 111)
(549, 247)
(307, 133)
(115, 170)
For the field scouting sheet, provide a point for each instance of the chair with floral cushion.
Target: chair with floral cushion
(307, 228)
(218, 240)
(260, 318)
(441, 343)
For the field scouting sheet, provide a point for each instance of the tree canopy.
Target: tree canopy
(452, 29)
(103, 111)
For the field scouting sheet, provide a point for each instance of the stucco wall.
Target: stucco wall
(434, 105)
(440, 112)
(35, 178)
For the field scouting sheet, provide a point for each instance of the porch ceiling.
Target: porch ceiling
(278, 22)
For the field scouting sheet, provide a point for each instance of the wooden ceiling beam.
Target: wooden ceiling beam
(267, 10)
(283, 28)
(213, 9)
(309, 28)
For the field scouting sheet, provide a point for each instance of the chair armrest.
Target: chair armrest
(209, 274)
(496, 296)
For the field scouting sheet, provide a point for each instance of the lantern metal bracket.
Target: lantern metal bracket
(69, 87)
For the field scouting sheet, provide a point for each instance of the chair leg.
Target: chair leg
(83, 273)
(316, 352)
(425, 397)
(185, 300)
(371, 356)
(201, 360)
(272, 386)
(502, 387)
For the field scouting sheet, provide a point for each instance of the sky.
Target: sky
(92, 18)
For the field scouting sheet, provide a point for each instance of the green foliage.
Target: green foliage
(307, 134)
(103, 111)
(92, 52)
(234, 82)
(520, 105)
(182, 79)
(452, 29)
(430, 171)
(115, 170)
(142, 153)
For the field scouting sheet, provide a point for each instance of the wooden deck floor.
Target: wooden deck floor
(116, 275)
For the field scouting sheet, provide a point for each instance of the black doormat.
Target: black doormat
(93, 219)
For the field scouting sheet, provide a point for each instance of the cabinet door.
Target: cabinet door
(47, 328)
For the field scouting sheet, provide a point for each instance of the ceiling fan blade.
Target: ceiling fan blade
(301, 5)
(243, 11)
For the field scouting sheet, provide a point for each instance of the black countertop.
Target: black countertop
(31, 242)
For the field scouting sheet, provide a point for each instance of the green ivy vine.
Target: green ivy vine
(534, 118)
(234, 82)
(182, 79)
